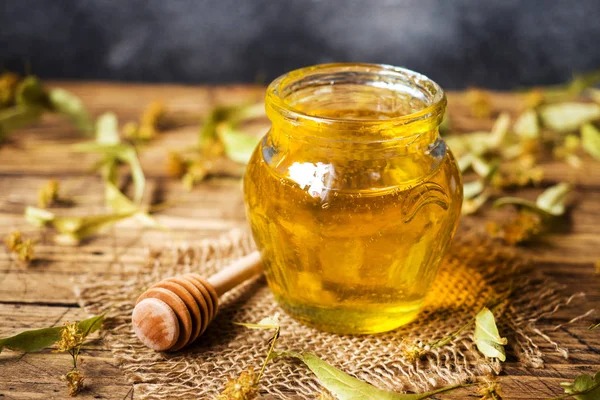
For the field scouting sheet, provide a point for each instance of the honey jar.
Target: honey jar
(353, 196)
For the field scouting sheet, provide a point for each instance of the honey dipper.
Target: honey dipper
(174, 312)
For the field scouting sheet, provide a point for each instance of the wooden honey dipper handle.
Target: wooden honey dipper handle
(176, 311)
(236, 273)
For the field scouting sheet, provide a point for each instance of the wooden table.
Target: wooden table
(41, 295)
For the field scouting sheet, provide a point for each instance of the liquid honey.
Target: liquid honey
(352, 233)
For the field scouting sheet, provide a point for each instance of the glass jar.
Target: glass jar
(352, 196)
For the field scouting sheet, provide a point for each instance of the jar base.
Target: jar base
(352, 321)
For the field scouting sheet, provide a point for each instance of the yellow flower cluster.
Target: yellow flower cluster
(23, 248)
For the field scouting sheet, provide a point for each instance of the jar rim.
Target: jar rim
(431, 92)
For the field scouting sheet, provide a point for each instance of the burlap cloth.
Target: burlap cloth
(475, 272)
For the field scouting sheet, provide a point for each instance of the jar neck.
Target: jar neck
(356, 106)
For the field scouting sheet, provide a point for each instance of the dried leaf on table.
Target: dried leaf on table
(108, 144)
(237, 145)
(590, 140)
(66, 103)
(39, 339)
(346, 387)
(567, 151)
(568, 117)
(584, 387)
(549, 203)
(71, 230)
(487, 338)
(527, 126)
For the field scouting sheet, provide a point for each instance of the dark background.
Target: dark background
(459, 43)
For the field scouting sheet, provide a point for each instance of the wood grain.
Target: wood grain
(41, 295)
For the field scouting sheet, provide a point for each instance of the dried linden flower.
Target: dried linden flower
(567, 151)
(48, 193)
(149, 125)
(176, 165)
(491, 391)
(13, 240)
(523, 227)
(70, 337)
(8, 88)
(242, 388)
(522, 173)
(23, 248)
(534, 98)
(479, 103)
(412, 351)
(196, 172)
(74, 381)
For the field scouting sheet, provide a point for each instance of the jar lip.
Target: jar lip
(436, 102)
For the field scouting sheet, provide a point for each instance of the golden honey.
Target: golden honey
(352, 196)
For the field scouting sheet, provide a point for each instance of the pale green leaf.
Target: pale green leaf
(499, 130)
(66, 103)
(487, 338)
(117, 201)
(473, 188)
(17, 117)
(552, 199)
(107, 129)
(265, 323)
(584, 387)
(38, 216)
(39, 339)
(471, 206)
(346, 387)
(527, 125)
(238, 146)
(565, 117)
(73, 229)
(465, 162)
(31, 93)
(549, 203)
(590, 140)
(123, 152)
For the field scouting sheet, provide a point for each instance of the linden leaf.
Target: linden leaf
(38, 339)
(470, 206)
(584, 387)
(552, 199)
(565, 117)
(73, 229)
(590, 140)
(499, 130)
(549, 203)
(472, 189)
(31, 93)
(265, 323)
(122, 152)
(238, 146)
(17, 117)
(107, 129)
(487, 338)
(346, 387)
(117, 201)
(66, 103)
(527, 125)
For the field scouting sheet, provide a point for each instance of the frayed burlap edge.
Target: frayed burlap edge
(475, 273)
